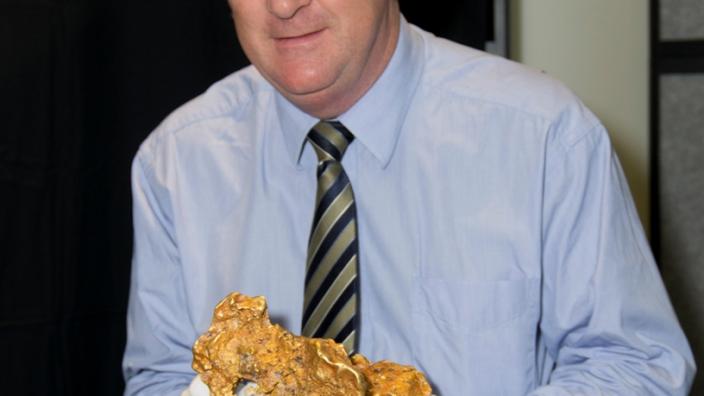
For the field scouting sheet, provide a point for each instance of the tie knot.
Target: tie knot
(330, 140)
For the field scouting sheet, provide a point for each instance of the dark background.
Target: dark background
(81, 85)
(676, 152)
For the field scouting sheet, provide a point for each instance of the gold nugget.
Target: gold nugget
(242, 345)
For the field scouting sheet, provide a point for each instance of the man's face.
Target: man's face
(322, 55)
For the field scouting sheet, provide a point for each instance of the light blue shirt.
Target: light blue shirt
(500, 252)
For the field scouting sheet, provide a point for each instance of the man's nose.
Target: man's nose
(286, 9)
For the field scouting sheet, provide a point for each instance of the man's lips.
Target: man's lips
(296, 40)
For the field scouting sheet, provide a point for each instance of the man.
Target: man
(498, 247)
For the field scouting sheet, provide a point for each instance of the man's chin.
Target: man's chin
(304, 88)
(323, 102)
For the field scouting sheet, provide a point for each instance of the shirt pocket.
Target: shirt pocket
(476, 336)
(471, 306)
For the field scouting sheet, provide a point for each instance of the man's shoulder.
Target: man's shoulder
(457, 72)
(231, 98)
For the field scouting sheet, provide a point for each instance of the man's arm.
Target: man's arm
(158, 355)
(607, 321)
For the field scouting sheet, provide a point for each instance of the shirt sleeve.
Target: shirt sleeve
(606, 318)
(160, 334)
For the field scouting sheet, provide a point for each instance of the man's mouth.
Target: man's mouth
(298, 39)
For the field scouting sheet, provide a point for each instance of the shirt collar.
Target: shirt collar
(377, 118)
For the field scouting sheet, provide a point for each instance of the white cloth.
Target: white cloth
(197, 388)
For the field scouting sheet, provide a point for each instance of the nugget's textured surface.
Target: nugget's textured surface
(387, 378)
(242, 345)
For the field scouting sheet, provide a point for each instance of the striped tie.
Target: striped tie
(330, 299)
